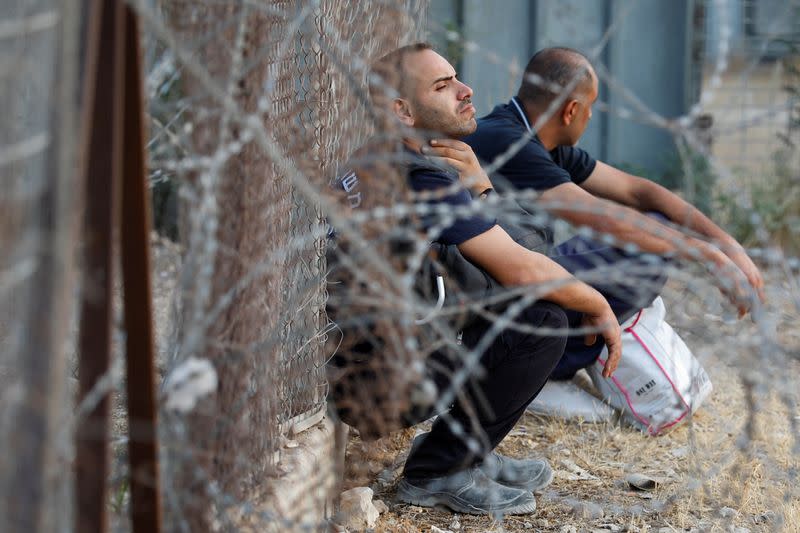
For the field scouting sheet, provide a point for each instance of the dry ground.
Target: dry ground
(732, 468)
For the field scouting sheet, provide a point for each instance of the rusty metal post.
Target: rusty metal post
(136, 272)
(102, 199)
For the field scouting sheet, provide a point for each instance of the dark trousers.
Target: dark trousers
(629, 281)
(514, 369)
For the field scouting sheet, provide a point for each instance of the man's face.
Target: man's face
(585, 98)
(438, 102)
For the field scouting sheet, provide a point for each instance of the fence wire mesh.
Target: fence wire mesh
(255, 109)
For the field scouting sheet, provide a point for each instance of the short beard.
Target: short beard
(434, 121)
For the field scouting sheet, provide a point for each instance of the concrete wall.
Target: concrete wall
(647, 52)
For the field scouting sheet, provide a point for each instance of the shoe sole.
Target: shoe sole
(423, 498)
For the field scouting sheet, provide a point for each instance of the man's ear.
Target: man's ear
(569, 112)
(402, 111)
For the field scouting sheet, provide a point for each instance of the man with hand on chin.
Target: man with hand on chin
(454, 464)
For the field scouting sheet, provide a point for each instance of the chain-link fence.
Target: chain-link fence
(255, 109)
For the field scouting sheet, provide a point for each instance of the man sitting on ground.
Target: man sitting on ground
(553, 108)
(453, 464)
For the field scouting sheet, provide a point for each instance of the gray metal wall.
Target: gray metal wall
(647, 51)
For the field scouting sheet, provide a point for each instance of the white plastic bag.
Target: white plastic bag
(658, 381)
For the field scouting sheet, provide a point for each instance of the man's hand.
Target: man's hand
(738, 286)
(460, 156)
(606, 322)
(749, 269)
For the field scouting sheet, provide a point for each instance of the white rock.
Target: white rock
(188, 383)
(380, 506)
(435, 529)
(356, 510)
(727, 512)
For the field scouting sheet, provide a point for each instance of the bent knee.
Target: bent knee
(549, 315)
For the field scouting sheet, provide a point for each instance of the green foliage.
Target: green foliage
(775, 197)
(775, 208)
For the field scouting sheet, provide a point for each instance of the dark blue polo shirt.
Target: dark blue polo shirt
(532, 167)
(424, 175)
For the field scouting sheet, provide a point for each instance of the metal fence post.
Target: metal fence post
(136, 272)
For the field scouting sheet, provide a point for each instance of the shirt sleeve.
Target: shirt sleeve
(462, 228)
(532, 167)
(577, 162)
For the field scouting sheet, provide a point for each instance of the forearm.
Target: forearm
(513, 265)
(654, 197)
(558, 285)
(629, 226)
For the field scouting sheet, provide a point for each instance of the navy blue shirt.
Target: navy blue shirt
(532, 167)
(425, 175)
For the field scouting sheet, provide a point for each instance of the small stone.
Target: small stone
(527, 525)
(435, 529)
(587, 510)
(611, 527)
(356, 510)
(292, 444)
(682, 451)
(727, 512)
(542, 523)
(568, 529)
(641, 482)
(455, 525)
(738, 529)
(380, 506)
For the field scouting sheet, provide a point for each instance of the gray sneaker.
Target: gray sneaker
(526, 474)
(468, 491)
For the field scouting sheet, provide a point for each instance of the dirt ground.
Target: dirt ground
(733, 467)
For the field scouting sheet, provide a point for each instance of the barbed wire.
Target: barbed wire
(250, 135)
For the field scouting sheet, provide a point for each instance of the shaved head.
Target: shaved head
(552, 69)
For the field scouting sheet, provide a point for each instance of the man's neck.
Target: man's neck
(545, 133)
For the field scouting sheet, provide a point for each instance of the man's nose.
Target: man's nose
(464, 91)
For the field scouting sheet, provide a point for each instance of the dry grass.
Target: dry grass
(733, 466)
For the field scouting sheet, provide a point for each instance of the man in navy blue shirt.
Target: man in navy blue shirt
(453, 464)
(533, 141)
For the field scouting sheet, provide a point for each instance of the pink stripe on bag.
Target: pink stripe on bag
(627, 399)
(640, 418)
(666, 375)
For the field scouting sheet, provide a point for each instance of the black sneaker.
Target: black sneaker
(526, 474)
(468, 491)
